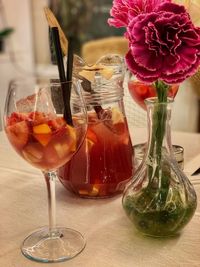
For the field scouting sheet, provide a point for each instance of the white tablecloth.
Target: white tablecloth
(112, 240)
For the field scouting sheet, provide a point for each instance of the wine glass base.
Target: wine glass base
(63, 245)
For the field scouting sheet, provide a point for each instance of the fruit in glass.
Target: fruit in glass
(140, 91)
(44, 140)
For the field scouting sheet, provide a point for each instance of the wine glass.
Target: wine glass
(140, 91)
(46, 122)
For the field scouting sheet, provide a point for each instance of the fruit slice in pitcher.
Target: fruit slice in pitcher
(71, 138)
(91, 139)
(118, 121)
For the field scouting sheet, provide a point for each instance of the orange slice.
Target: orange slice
(89, 144)
(42, 133)
(72, 137)
(42, 129)
(94, 192)
(83, 192)
(44, 139)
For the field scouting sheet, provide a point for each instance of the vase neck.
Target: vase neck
(159, 124)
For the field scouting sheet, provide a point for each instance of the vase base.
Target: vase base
(170, 236)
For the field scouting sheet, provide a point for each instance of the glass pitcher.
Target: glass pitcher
(103, 165)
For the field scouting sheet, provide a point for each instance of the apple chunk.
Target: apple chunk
(33, 153)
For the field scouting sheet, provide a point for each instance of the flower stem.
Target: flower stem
(158, 133)
(160, 114)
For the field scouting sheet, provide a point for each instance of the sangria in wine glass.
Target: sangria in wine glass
(141, 91)
(40, 133)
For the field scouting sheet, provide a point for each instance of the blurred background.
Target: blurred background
(24, 48)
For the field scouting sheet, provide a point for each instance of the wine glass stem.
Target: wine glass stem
(50, 178)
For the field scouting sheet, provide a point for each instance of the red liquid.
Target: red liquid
(103, 165)
(45, 141)
(140, 91)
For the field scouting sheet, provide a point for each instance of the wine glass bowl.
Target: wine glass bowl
(141, 91)
(41, 140)
(42, 137)
(46, 136)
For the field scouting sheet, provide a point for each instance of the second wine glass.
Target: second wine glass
(140, 91)
(41, 134)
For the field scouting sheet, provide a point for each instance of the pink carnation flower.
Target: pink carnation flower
(163, 45)
(124, 10)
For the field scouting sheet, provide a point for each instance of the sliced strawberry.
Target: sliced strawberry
(37, 118)
(140, 91)
(57, 135)
(18, 134)
(16, 117)
(119, 128)
(57, 123)
(138, 87)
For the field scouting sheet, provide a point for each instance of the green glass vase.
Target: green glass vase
(159, 200)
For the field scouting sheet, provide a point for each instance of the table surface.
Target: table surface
(111, 238)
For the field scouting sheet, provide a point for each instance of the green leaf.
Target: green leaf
(5, 32)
